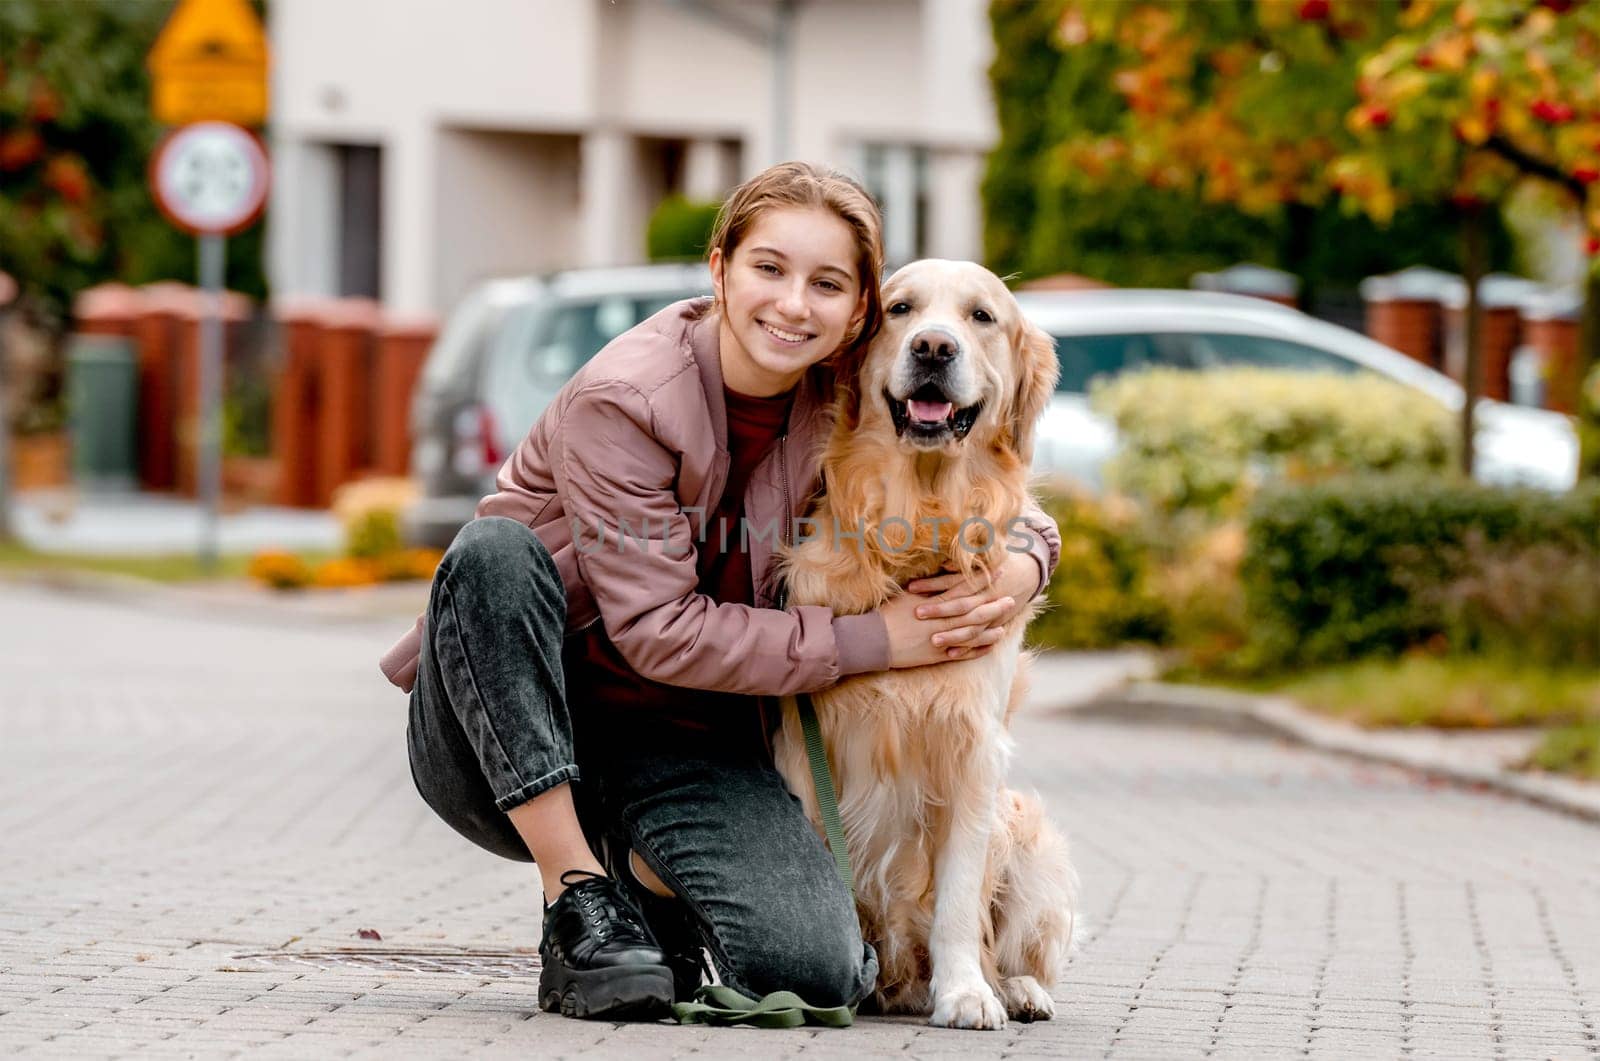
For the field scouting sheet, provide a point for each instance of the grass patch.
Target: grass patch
(1570, 750)
(176, 567)
(1447, 692)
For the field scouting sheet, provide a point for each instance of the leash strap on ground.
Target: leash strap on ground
(827, 799)
(715, 1004)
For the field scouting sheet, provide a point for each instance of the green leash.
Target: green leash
(827, 798)
(715, 1004)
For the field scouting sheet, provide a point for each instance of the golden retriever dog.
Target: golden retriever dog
(962, 885)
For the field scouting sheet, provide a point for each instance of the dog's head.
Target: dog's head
(955, 364)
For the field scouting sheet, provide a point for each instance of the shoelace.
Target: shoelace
(603, 906)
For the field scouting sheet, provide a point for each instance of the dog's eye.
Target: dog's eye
(899, 309)
(982, 316)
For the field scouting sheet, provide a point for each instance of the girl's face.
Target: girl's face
(789, 295)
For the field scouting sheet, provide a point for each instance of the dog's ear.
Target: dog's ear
(1037, 371)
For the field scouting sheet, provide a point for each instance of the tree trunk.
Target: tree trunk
(1474, 255)
(1296, 250)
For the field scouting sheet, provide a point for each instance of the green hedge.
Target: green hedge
(1204, 441)
(1102, 592)
(680, 229)
(1589, 425)
(1378, 565)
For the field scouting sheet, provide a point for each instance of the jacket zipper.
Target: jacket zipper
(783, 591)
(783, 474)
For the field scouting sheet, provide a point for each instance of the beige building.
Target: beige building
(422, 145)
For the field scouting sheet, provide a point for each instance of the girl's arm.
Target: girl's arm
(636, 552)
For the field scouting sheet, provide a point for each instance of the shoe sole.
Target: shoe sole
(635, 992)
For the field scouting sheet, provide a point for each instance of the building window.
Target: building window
(897, 176)
(360, 219)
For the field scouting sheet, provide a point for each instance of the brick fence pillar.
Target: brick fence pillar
(107, 309)
(1403, 312)
(403, 345)
(158, 333)
(297, 401)
(1550, 324)
(344, 383)
(1499, 298)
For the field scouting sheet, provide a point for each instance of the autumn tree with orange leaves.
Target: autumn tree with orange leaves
(1289, 105)
(1469, 100)
(75, 138)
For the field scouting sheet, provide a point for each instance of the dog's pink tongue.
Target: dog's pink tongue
(929, 412)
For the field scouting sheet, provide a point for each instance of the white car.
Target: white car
(509, 346)
(1106, 332)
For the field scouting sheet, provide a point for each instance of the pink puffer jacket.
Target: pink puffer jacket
(634, 448)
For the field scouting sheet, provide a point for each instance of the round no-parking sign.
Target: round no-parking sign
(210, 178)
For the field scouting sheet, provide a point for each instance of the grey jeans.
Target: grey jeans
(490, 729)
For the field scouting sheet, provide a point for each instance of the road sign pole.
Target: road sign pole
(212, 259)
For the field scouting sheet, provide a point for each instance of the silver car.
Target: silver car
(506, 350)
(1104, 333)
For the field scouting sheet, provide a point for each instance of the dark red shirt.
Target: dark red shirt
(605, 695)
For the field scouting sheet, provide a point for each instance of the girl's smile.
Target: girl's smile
(789, 295)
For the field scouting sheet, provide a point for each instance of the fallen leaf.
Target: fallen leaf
(369, 933)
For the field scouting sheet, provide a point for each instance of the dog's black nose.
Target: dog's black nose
(933, 344)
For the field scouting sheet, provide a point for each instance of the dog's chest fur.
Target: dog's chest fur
(902, 744)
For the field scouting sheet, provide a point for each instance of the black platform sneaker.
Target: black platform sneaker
(599, 960)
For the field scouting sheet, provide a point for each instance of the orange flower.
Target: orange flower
(279, 570)
(344, 573)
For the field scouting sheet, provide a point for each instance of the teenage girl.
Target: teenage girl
(589, 683)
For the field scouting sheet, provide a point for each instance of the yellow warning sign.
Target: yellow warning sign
(210, 64)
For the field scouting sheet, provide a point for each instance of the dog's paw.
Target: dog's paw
(974, 1006)
(1025, 999)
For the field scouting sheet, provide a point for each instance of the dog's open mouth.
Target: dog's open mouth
(928, 416)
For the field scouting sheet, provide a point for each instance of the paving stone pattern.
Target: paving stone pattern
(181, 795)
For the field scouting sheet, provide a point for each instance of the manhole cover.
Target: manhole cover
(459, 963)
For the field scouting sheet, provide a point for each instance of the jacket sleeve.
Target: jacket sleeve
(636, 553)
(1044, 540)
(511, 499)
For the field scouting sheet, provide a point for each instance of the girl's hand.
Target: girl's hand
(915, 642)
(953, 596)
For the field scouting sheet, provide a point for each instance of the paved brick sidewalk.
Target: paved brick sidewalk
(179, 792)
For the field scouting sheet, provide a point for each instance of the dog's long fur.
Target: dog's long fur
(963, 886)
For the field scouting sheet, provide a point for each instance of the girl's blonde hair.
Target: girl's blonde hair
(803, 184)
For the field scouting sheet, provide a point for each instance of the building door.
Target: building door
(360, 219)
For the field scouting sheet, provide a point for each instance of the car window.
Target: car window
(1085, 358)
(456, 352)
(541, 347)
(1211, 351)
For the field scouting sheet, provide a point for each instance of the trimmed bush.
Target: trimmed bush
(680, 230)
(1199, 588)
(369, 511)
(1208, 440)
(1589, 425)
(1570, 750)
(1346, 568)
(1101, 593)
(280, 570)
